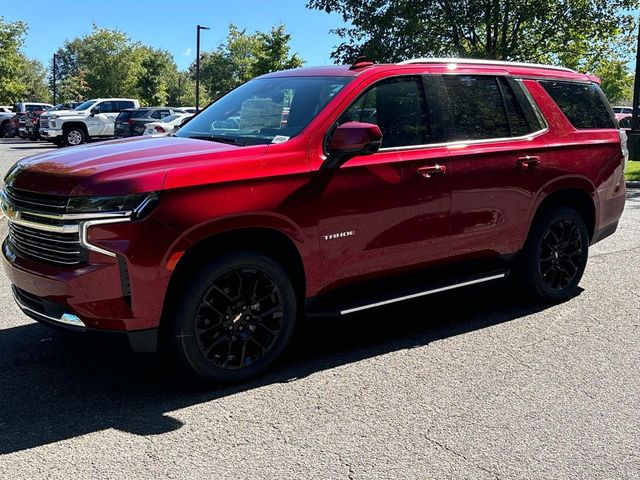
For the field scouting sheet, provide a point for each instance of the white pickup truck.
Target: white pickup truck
(93, 119)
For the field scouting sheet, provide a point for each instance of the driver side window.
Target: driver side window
(399, 107)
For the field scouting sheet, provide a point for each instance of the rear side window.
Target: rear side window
(583, 104)
(398, 107)
(476, 106)
(122, 104)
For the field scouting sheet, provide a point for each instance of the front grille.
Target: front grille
(37, 202)
(44, 122)
(50, 247)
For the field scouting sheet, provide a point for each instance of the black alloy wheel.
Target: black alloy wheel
(235, 317)
(555, 255)
(560, 254)
(239, 318)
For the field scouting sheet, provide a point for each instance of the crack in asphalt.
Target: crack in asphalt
(462, 456)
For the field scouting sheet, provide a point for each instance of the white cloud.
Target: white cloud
(187, 52)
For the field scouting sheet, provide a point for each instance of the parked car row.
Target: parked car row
(76, 123)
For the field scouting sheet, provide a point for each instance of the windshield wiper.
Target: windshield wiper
(219, 138)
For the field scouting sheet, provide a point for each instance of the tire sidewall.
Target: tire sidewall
(533, 275)
(184, 318)
(68, 131)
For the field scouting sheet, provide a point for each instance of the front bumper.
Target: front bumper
(70, 300)
(50, 314)
(51, 133)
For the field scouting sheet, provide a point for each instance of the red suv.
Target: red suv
(383, 183)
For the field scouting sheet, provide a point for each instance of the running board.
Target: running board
(340, 303)
(423, 293)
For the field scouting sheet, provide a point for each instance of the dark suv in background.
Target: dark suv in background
(132, 122)
(318, 191)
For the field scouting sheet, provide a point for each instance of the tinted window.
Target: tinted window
(398, 107)
(107, 107)
(476, 107)
(122, 104)
(516, 115)
(583, 104)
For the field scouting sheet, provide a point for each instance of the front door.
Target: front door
(387, 212)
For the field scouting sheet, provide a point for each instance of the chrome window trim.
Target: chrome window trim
(66, 318)
(460, 143)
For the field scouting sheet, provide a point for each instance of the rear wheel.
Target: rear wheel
(73, 136)
(4, 130)
(555, 255)
(234, 318)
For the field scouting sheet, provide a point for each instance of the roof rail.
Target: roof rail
(484, 62)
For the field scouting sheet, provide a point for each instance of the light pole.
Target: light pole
(198, 28)
(55, 57)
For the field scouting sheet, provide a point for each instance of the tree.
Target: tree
(526, 30)
(11, 61)
(182, 91)
(33, 79)
(157, 72)
(110, 60)
(244, 56)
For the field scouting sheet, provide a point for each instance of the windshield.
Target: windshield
(85, 106)
(265, 110)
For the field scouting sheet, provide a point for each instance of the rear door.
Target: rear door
(498, 161)
(388, 211)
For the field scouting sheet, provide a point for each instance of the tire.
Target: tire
(4, 130)
(73, 136)
(555, 255)
(234, 318)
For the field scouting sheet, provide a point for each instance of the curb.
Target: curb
(634, 184)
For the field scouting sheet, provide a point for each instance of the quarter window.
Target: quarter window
(398, 107)
(582, 103)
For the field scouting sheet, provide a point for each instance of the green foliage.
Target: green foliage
(158, 69)
(526, 30)
(111, 62)
(244, 56)
(633, 171)
(33, 77)
(11, 59)
(182, 91)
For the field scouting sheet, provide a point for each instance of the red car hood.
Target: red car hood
(122, 166)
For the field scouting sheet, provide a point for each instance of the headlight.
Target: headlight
(139, 204)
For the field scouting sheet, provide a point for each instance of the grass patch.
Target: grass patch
(633, 171)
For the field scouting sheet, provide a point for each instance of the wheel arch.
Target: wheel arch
(578, 194)
(267, 240)
(81, 125)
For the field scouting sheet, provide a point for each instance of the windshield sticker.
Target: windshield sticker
(279, 139)
(259, 113)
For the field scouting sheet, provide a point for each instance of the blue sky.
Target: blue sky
(170, 24)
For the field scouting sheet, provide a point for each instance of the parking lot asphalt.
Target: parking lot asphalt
(473, 384)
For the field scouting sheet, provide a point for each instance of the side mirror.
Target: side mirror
(95, 110)
(351, 139)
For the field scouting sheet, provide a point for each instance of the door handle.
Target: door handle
(528, 161)
(427, 172)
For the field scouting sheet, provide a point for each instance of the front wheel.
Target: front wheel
(5, 130)
(235, 317)
(555, 255)
(73, 136)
